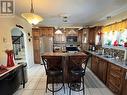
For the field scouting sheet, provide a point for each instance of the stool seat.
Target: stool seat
(53, 72)
(78, 72)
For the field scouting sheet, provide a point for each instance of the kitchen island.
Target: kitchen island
(65, 60)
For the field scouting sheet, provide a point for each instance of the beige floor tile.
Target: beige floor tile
(28, 92)
(39, 92)
(105, 91)
(95, 91)
(32, 85)
(41, 85)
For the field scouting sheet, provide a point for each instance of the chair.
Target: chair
(77, 68)
(54, 72)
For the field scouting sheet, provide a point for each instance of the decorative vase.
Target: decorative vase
(10, 61)
(125, 44)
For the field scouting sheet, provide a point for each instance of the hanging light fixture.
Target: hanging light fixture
(31, 17)
(58, 31)
(72, 32)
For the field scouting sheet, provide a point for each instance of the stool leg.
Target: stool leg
(63, 83)
(23, 77)
(46, 84)
(69, 91)
(83, 86)
(53, 86)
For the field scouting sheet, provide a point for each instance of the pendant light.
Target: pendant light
(58, 31)
(72, 32)
(31, 17)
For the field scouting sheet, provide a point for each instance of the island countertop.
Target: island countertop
(62, 54)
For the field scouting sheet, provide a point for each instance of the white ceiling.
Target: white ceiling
(79, 12)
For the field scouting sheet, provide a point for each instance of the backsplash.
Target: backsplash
(114, 52)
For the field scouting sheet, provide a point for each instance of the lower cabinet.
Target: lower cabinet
(102, 70)
(115, 78)
(99, 67)
(124, 88)
(94, 65)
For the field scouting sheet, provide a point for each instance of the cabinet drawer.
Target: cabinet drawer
(115, 80)
(113, 89)
(115, 69)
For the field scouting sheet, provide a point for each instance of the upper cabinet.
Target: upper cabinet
(46, 31)
(37, 33)
(91, 35)
(94, 35)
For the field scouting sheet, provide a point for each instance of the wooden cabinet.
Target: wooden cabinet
(99, 67)
(36, 45)
(114, 78)
(94, 65)
(46, 31)
(37, 33)
(124, 87)
(92, 34)
(102, 70)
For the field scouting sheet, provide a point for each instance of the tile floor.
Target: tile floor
(37, 82)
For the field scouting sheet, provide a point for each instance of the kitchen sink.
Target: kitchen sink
(107, 56)
(98, 53)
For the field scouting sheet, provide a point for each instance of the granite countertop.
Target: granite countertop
(62, 54)
(120, 63)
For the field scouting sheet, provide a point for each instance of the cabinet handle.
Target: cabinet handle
(126, 76)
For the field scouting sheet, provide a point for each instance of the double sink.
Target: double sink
(112, 59)
(105, 56)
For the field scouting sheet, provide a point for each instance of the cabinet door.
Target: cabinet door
(36, 46)
(114, 78)
(124, 88)
(94, 65)
(102, 70)
(91, 35)
(46, 31)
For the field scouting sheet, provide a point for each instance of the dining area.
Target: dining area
(65, 69)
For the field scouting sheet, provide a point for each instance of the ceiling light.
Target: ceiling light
(58, 31)
(31, 17)
(72, 32)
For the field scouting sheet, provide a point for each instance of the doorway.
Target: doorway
(18, 45)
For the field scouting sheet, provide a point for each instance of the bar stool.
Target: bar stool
(77, 68)
(54, 72)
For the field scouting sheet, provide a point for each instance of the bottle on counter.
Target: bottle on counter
(125, 55)
(103, 52)
(93, 48)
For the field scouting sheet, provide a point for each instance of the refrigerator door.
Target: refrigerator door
(46, 44)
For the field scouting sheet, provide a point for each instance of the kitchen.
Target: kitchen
(88, 27)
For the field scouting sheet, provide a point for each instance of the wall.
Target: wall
(6, 25)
